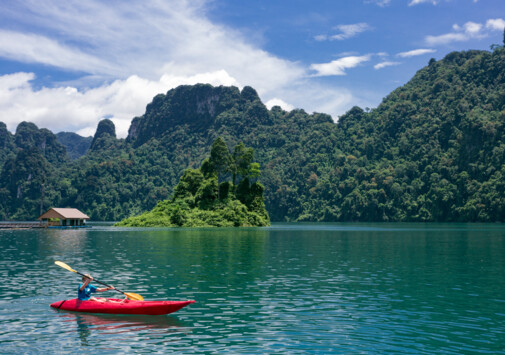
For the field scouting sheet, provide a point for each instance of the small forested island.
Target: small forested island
(223, 192)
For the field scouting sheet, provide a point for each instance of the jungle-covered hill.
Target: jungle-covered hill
(433, 150)
(223, 192)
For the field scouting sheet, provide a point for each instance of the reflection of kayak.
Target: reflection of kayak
(116, 306)
(120, 321)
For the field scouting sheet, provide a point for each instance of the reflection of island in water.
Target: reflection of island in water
(118, 324)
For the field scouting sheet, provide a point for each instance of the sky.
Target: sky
(66, 65)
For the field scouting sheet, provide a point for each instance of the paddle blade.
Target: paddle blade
(134, 296)
(65, 266)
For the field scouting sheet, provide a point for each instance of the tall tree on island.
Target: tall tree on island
(205, 197)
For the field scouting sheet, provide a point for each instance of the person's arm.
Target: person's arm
(105, 289)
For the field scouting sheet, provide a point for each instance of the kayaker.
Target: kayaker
(85, 290)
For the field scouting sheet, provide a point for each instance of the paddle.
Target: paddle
(130, 295)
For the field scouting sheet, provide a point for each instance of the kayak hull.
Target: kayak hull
(117, 306)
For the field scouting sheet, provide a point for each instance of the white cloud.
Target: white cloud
(31, 48)
(381, 3)
(335, 101)
(349, 31)
(278, 102)
(339, 66)
(417, 2)
(13, 82)
(385, 64)
(497, 24)
(220, 77)
(146, 38)
(321, 38)
(445, 39)
(415, 52)
(470, 30)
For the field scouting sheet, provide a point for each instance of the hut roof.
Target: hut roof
(64, 213)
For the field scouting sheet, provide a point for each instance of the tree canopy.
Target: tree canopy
(201, 200)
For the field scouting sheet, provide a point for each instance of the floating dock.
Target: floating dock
(22, 225)
(36, 225)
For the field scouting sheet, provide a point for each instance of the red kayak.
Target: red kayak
(117, 306)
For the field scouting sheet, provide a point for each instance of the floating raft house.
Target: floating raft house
(64, 218)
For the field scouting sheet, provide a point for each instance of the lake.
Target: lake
(289, 288)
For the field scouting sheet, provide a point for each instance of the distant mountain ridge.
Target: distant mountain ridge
(433, 150)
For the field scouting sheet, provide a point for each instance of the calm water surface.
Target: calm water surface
(317, 288)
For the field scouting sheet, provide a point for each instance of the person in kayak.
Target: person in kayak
(85, 290)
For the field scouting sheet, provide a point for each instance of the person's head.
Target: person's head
(86, 277)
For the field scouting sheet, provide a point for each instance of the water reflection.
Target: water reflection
(64, 241)
(112, 325)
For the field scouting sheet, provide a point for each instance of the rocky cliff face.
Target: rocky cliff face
(105, 135)
(6, 140)
(195, 107)
(6, 143)
(29, 136)
(29, 166)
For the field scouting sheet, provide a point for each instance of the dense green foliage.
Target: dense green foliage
(7, 146)
(76, 145)
(434, 150)
(33, 170)
(206, 197)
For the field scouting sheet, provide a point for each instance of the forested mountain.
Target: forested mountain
(434, 150)
(76, 145)
(33, 162)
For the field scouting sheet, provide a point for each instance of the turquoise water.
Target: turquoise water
(289, 288)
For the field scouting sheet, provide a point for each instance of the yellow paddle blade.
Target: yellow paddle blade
(65, 266)
(134, 296)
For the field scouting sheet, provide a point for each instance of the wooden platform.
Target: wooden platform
(22, 225)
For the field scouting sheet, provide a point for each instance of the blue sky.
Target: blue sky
(65, 65)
